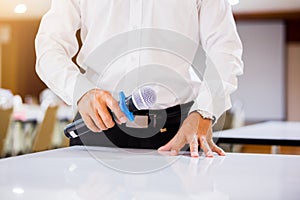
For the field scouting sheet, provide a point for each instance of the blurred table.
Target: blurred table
(267, 133)
(106, 173)
(35, 113)
(24, 125)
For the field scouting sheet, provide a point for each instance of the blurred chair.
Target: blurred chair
(47, 97)
(5, 118)
(6, 98)
(44, 134)
(59, 139)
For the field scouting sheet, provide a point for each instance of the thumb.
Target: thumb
(166, 147)
(169, 147)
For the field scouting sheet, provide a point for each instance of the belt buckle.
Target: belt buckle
(140, 121)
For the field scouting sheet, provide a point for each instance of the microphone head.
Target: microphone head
(144, 98)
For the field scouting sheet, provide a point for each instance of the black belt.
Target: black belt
(167, 114)
(171, 111)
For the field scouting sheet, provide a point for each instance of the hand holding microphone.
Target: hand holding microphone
(93, 108)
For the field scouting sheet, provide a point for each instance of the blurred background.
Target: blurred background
(269, 89)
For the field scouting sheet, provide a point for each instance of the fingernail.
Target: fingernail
(210, 155)
(223, 153)
(194, 154)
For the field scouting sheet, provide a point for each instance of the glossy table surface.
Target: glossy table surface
(107, 173)
(272, 132)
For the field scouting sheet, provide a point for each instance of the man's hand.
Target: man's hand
(93, 108)
(193, 131)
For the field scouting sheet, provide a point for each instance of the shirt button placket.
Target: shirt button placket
(136, 9)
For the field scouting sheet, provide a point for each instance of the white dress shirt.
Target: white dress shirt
(209, 22)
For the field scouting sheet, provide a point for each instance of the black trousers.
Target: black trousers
(162, 127)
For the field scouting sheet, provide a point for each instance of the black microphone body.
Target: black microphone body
(71, 129)
(130, 104)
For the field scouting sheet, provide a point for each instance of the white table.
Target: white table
(267, 133)
(76, 173)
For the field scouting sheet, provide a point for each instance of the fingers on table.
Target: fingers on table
(174, 145)
(205, 146)
(218, 150)
(169, 147)
(194, 146)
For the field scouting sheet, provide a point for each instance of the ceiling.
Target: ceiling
(36, 8)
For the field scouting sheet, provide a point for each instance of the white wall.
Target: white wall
(4, 38)
(262, 87)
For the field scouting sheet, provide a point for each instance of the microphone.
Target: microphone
(141, 99)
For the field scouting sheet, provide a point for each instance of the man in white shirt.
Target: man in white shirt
(209, 22)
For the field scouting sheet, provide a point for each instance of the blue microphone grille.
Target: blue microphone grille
(144, 98)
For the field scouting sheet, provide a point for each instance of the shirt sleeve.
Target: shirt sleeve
(56, 44)
(223, 47)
